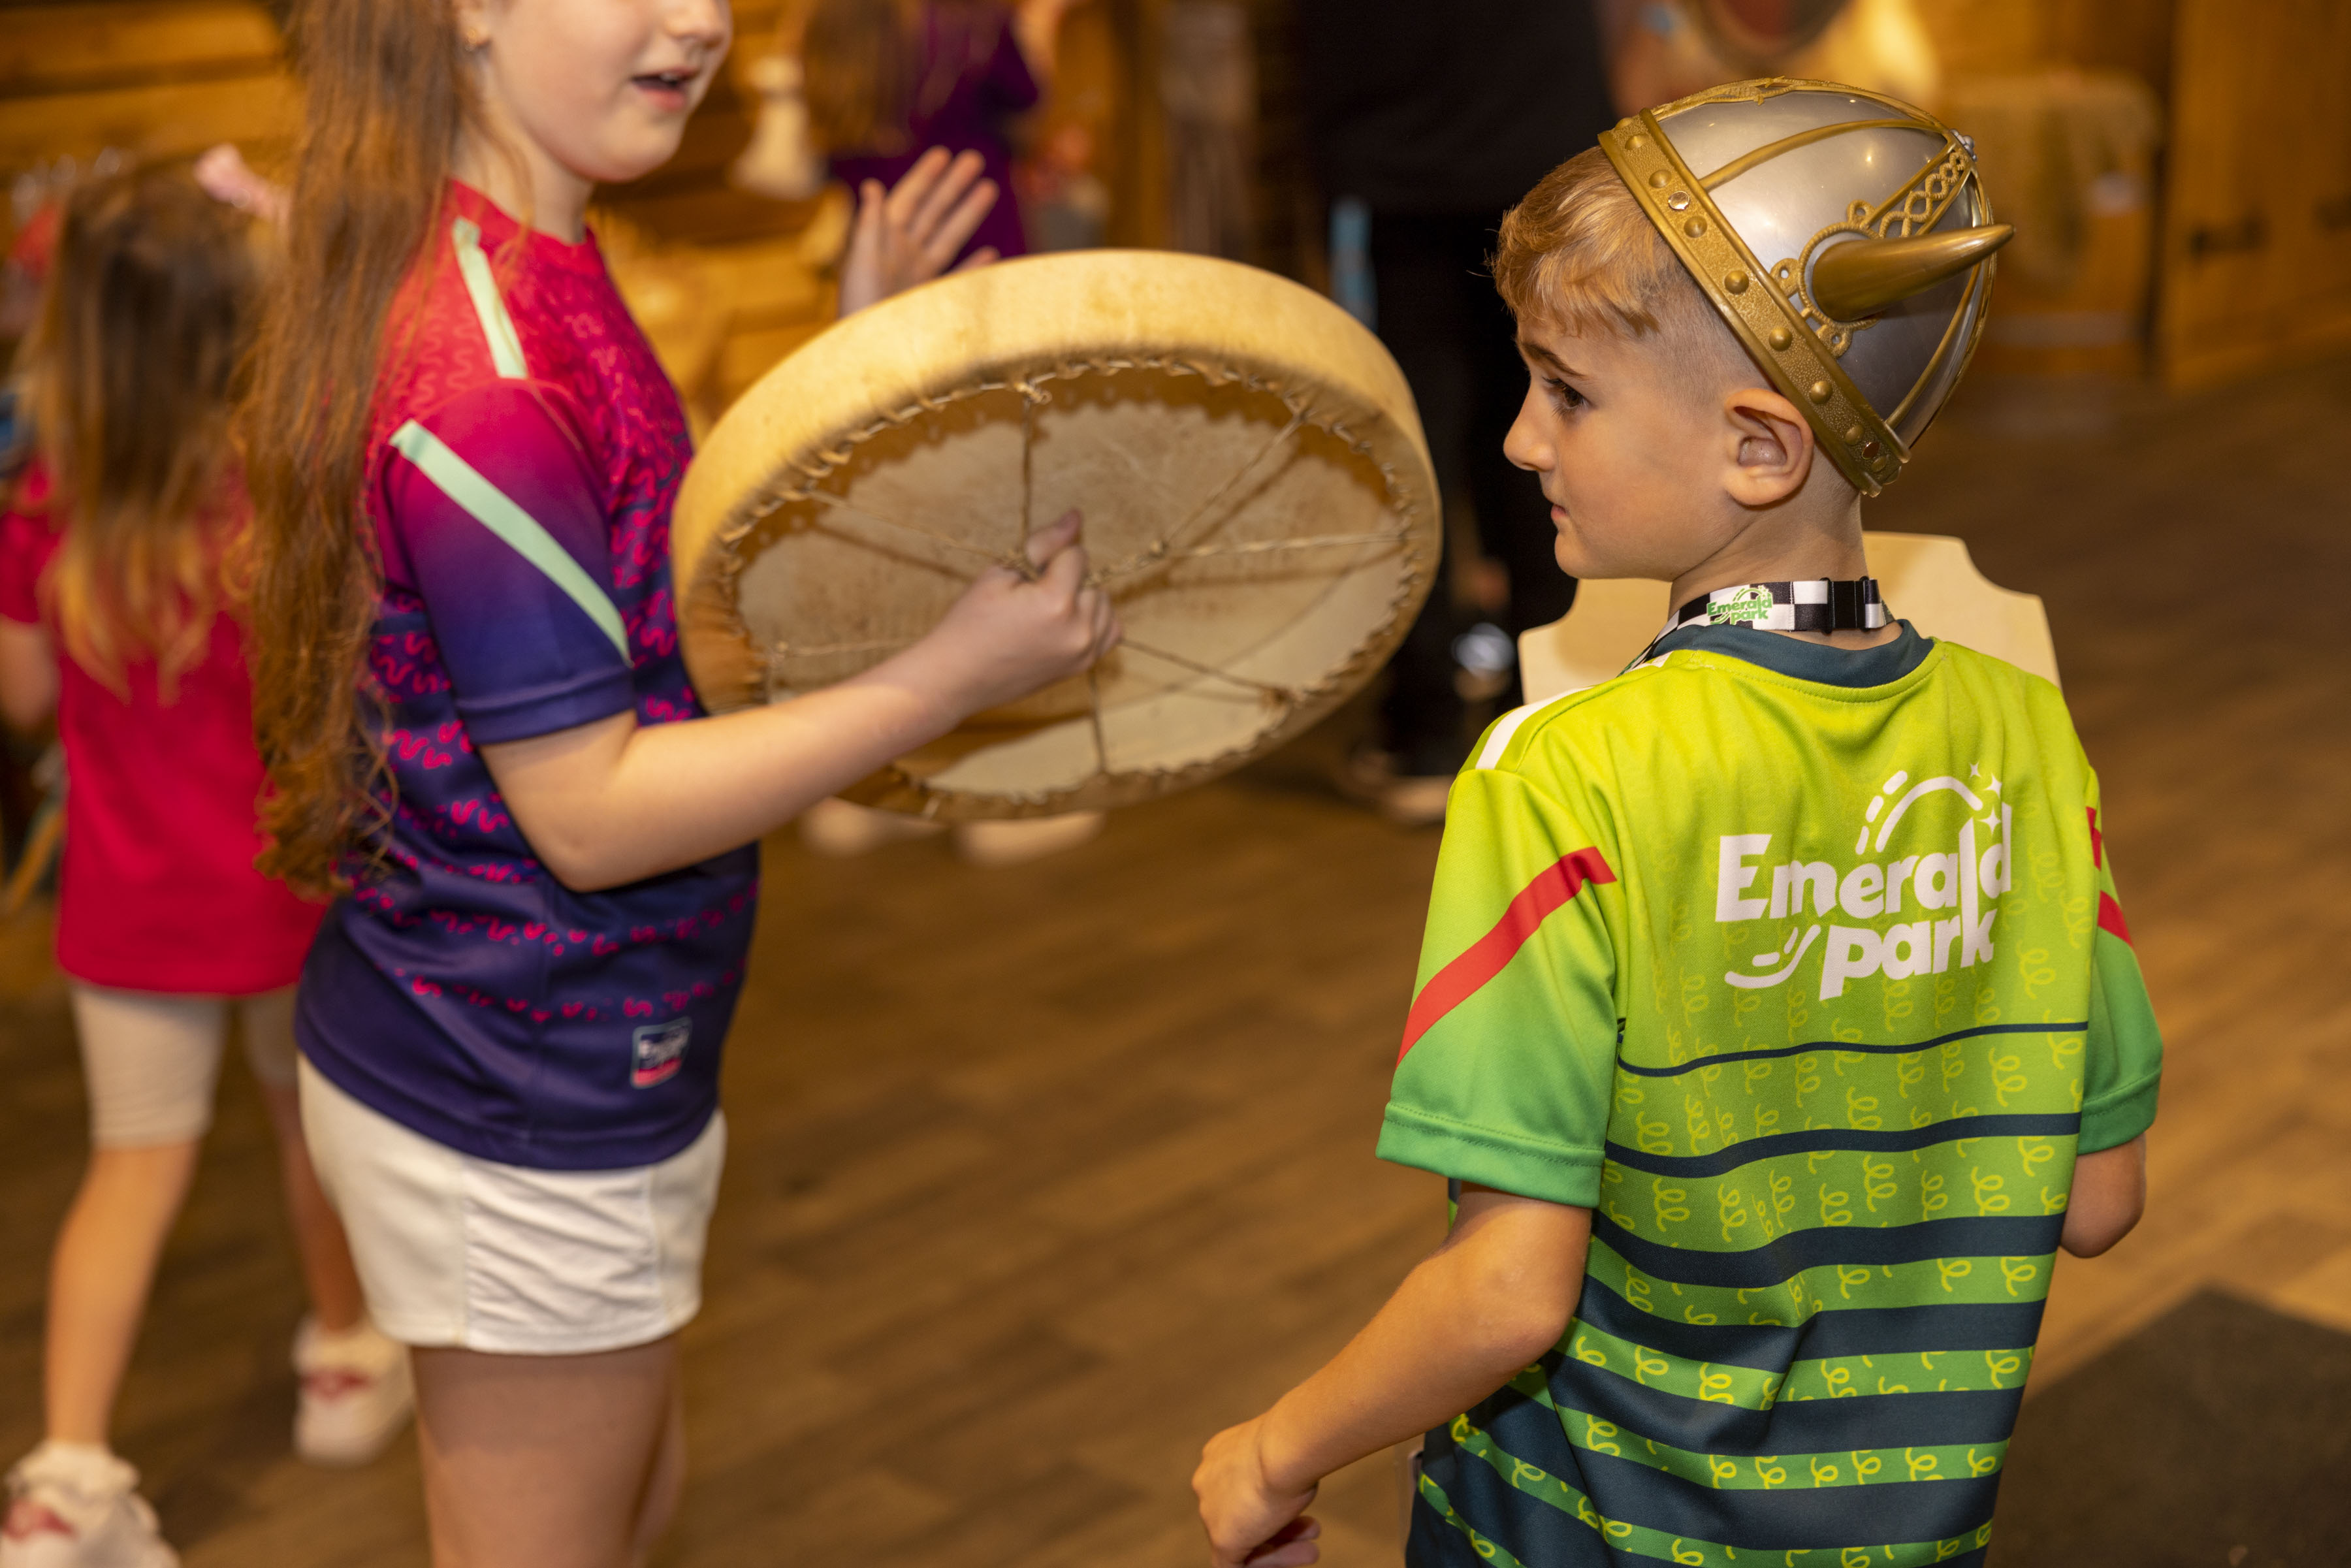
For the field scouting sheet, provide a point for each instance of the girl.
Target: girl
(886, 79)
(113, 616)
(480, 733)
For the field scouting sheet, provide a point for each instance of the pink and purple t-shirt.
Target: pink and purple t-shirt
(527, 449)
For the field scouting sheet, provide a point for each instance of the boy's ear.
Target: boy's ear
(1770, 446)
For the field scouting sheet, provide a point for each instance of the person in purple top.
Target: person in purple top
(537, 399)
(888, 80)
(483, 745)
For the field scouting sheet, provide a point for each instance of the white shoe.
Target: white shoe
(75, 1505)
(840, 828)
(1016, 839)
(356, 1394)
(1407, 800)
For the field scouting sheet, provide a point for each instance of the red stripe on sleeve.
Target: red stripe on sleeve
(2097, 841)
(1491, 954)
(2110, 918)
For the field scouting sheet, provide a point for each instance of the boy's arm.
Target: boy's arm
(1498, 1294)
(2121, 1075)
(2109, 1194)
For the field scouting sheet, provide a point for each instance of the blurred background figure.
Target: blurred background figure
(874, 84)
(1666, 49)
(1207, 92)
(118, 546)
(1066, 203)
(1425, 124)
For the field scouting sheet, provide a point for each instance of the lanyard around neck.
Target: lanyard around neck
(1815, 604)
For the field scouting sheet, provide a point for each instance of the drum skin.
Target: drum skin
(1256, 488)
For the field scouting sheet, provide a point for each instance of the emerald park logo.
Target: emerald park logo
(1753, 602)
(1952, 896)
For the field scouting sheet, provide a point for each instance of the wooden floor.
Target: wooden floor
(1039, 1176)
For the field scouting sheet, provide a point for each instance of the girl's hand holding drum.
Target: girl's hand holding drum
(1013, 633)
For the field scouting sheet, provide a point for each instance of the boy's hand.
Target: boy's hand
(908, 235)
(1249, 1524)
(1009, 635)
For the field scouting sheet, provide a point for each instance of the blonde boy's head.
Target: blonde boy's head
(1664, 450)
(1579, 257)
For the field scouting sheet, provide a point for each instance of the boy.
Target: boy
(1776, 1021)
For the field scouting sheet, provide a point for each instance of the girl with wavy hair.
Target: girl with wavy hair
(481, 741)
(118, 618)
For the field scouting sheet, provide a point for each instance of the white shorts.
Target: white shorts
(152, 1059)
(459, 1252)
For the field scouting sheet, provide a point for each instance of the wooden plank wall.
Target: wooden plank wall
(2257, 236)
(2253, 261)
(155, 78)
(1992, 36)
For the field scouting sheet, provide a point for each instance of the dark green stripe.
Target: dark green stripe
(1848, 1331)
(1923, 1420)
(1852, 1048)
(1773, 1520)
(1783, 1257)
(1816, 1140)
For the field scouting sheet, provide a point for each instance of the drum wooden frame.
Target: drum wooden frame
(1258, 492)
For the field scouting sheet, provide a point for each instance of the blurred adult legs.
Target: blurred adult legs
(1448, 329)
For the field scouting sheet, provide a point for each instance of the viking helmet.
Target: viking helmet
(1842, 235)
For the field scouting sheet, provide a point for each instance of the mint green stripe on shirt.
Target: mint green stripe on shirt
(497, 327)
(463, 483)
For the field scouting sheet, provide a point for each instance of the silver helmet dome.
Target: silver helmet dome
(1842, 235)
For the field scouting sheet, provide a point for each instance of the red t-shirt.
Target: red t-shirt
(158, 891)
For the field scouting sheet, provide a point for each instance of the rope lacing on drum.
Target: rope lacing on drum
(1169, 548)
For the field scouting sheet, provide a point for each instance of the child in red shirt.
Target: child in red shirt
(114, 619)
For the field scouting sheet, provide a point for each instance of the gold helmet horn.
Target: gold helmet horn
(1863, 276)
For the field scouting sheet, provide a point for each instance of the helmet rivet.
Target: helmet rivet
(1657, 181)
(1735, 282)
(1852, 434)
(1780, 338)
(1818, 391)
(1694, 227)
(1679, 201)
(1637, 142)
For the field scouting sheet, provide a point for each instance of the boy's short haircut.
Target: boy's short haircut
(1578, 254)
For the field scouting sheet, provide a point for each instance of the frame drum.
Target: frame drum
(1257, 493)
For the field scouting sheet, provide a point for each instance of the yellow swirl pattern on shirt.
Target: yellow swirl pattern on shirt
(1488, 1550)
(1843, 1187)
(1638, 1541)
(1935, 1282)
(1765, 1472)
(1817, 1378)
(1720, 1104)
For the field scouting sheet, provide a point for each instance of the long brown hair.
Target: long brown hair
(859, 59)
(132, 367)
(388, 95)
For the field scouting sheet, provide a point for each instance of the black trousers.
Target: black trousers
(1439, 316)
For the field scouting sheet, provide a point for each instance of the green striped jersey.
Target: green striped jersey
(1803, 970)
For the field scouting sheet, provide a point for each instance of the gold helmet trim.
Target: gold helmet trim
(1790, 335)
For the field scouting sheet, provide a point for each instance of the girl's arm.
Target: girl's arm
(28, 675)
(1486, 1304)
(610, 802)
